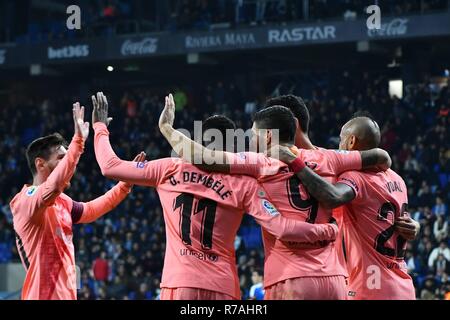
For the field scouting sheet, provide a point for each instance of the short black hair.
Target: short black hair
(42, 148)
(277, 117)
(296, 105)
(363, 114)
(221, 123)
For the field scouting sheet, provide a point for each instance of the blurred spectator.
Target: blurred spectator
(144, 293)
(257, 289)
(441, 250)
(101, 268)
(440, 208)
(180, 99)
(132, 237)
(428, 292)
(440, 228)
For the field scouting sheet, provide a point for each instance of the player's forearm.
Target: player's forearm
(182, 145)
(299, 231)
(61, 175)
(104, 153)
(330, 196)
(110, 164)
(376, 159)
(98, 207)
(194, 152)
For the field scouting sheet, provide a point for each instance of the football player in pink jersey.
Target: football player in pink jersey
(202, 213)
(291, 271)
(376, 223)
(43, 215)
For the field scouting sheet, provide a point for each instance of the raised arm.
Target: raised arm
(189, 150)
(139, 173)
(87, 212)
(59, 179)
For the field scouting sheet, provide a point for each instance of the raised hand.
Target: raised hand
(168, 114)
(282, 153)
(140, 157)
(81, 127)
(100, 109)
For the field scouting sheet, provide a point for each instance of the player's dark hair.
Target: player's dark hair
(221, 123)
(277, 117)
(42, 148)
(296, 105)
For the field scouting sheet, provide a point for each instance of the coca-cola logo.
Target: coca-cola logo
(395, 27)
(145, 46)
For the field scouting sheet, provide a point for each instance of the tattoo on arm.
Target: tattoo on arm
(329, 195)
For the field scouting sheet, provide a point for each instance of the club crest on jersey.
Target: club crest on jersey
(311, 165)
(31, 191)
(270, 208)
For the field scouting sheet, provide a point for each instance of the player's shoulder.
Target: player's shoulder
(319, 154)
(395, 176)
(21, 202)
(27, 192)
(392, 173)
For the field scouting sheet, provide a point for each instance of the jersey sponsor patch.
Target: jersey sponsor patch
(31, 191)
(141, 165)
(341, 151)
(242, 155)
(270, 208)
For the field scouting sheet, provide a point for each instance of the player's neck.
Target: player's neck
(303, 142)
(38, 180)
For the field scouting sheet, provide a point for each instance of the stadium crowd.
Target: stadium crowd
(105, 17)
(121, 255)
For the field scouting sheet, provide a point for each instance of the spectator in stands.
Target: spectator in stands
(257, 289)
(440, 208)
(101, 267)
(429, 290)
(441, 250)
(425, 170)
(440, 228)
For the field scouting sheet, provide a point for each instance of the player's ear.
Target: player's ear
(39, 163)
(297, 124)
(352, 142)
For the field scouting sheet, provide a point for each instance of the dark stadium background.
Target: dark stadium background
(121, 255)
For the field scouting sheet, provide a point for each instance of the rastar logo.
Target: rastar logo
(302, 34)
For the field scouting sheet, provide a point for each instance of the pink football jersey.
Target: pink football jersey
(202, 214)
(283, 259)
(374, 250)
